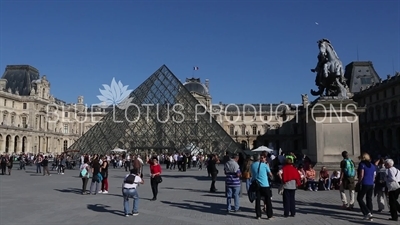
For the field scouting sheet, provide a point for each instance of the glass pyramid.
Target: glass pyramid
(161, 115)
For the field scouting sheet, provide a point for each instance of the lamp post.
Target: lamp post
(248, 139)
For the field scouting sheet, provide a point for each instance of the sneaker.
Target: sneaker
(135, 214)
(345, 206)
(100, 192)
(105, 192)
(127, 215)
(62, 173)
(309, 189)
(368, 217)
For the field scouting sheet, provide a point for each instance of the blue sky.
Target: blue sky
(251, 51)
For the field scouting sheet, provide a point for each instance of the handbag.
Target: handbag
(358, 187)
(157, 179)
(394, 185)
(245, 175)
(255, 185)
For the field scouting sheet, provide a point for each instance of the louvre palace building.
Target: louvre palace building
(33, 121)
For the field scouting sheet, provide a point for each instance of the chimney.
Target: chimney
(3, 84)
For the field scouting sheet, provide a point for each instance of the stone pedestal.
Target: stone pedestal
(332, 126)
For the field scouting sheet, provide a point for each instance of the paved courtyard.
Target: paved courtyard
(29, 198)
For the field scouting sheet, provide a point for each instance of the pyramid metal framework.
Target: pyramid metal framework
(160, 115)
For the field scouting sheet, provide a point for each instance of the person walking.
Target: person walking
(346, 181)
(45, 164)
(366, 178)
(393, 186)
(233, 182)
(129, 190)
(290, 181)
(155, 176)
(380, 184)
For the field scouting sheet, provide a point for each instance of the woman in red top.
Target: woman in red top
(290, 181)
(155, 173)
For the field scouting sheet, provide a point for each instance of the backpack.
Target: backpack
(349, 170)
(130, 179)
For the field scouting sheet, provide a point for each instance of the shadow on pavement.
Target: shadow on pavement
(208, 207)
(104, 208)
(70, 190)
(191, 190)
(200, 178)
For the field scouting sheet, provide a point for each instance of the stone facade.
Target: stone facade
(35, 121)
(380, 124)
(32, 120)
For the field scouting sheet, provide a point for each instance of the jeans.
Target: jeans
(154, 187)
(248, 183)
(312, 185)
(380, 198)
(38, 168)
(366, 190)
(266, 193)
(289, 203)
(232, 192)
(130, 193)
(95, 182)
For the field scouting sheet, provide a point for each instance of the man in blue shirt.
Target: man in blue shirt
(260, 171)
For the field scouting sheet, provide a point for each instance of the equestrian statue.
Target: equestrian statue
(330, 73)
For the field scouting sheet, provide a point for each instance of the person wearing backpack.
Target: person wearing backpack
(84, 174)
(129, 190)
(347, 175)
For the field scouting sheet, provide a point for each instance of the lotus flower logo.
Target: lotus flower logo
(116, 94)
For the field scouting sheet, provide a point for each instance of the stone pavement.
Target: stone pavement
(29, 198)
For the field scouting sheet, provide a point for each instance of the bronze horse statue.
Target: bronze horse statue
(330, 73)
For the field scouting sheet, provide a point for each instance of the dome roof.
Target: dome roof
(194, 85)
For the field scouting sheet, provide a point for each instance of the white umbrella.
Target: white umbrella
(262, 148)
(118, 150)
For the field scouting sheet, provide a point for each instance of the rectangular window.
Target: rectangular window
(243, 130)
(231, 130)
(65, 128)
(24, 122)
(4, 119)
(254, 130)
(12, 120)
(231, 118)
(5, 102)
(13, 104)
(265, 117)
(24, 106)
(65, 114)
(366, 80)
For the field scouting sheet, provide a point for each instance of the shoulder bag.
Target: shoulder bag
(255, 185)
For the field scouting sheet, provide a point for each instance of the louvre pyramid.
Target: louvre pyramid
(159, 115)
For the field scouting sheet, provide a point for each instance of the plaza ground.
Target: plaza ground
(29, 198)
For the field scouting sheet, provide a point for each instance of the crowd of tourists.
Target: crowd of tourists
(379, 177)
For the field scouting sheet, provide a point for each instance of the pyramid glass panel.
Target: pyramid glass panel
(159, 115)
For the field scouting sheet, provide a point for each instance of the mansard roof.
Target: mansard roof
(360, 75)
(20, 77)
